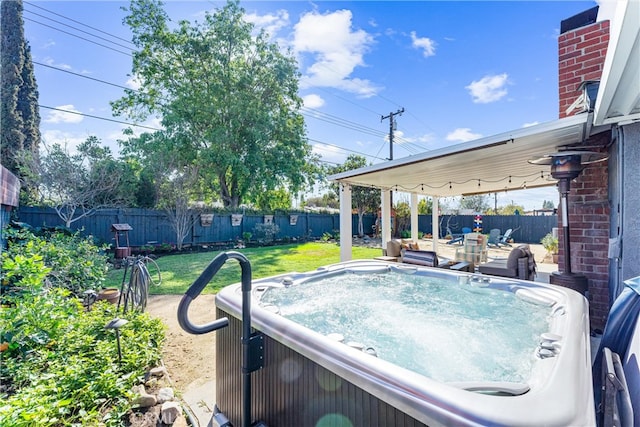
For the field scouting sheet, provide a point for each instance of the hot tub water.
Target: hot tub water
(434, 326)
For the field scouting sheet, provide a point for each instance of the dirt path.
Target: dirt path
(189, 359)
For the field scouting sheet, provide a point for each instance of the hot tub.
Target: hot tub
(316, 378)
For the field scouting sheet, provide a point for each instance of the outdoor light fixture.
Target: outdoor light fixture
(566, 166)
(116, 324)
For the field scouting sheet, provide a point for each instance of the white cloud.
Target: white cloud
(337, 49)
(313, 101)
(68, 140)
(57, 116)
(427, 45)
(51, 62)
(489, 88)
(272, 23)
(526, 125)
(462, 135)
(329, 153)
(133, 82)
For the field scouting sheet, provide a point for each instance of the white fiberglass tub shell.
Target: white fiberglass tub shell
(558, 393)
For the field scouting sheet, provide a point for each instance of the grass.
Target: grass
(179, 271)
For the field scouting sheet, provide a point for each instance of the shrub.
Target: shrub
(59, 364)
(550, 243)
(266, 233)
(73, 262)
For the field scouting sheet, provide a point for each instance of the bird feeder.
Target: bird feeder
(121, 231)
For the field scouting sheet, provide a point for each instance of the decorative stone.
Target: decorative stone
(159, 371)
(165, 394)
(181, 421)
(151, 383)
(143, 399)
(170, 412)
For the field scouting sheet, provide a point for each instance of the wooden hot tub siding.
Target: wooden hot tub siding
(300, 401)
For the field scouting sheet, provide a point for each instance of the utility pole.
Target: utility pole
(392, 127)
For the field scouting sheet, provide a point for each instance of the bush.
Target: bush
(550, 243)
(74, 263)
(266, 233)
(59, 363)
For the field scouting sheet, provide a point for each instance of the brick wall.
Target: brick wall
(589, 227)
(581, 54)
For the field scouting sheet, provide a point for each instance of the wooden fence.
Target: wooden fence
(151, 226)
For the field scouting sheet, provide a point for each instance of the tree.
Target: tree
(425, 206)
(20, 124)
(176, 203)
(273, 200)
(477, 203)
(364, 199)
(76, 185)
(548, 204)
(327, 200)
(510, 209)
(228, 101)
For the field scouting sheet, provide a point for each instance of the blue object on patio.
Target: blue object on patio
(618, 334)
(494, 238)
(459, 238)
(504, 239)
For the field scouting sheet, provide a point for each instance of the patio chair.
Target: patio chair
(504, 239)
(520, 264)
(459, 238)
(474, 249)
(494, 238)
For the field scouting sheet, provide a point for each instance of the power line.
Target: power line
(77, 29)
(345, 149)
(99, 118)
(78, 22)
(81, 75)
(75, 35)
(334, 120)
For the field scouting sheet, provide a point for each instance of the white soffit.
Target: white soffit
(497, 163)
(618, 98)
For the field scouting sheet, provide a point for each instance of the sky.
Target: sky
(460, 70)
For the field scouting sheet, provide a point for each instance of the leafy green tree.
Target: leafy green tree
(228, 101)
(403, 218)
(425, 206)
(548, 204)
(364, 199)
(327, 200)
(510, 209)
(273, 200)
(20, 124)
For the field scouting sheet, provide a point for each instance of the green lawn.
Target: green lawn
(179, 271)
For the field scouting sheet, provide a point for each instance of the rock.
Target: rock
(149, 418)
(170, 412)
(159, 371)
(181, 421)
(151, 383)
(143, 399)
(165, 394)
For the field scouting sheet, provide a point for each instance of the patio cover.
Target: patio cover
(492, 164)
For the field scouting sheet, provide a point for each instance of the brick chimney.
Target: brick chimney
(582, 47)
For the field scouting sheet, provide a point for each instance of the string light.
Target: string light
(422, 186)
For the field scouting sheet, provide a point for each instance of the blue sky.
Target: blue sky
(461, 70)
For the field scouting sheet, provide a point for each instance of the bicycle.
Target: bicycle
(135, 292)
